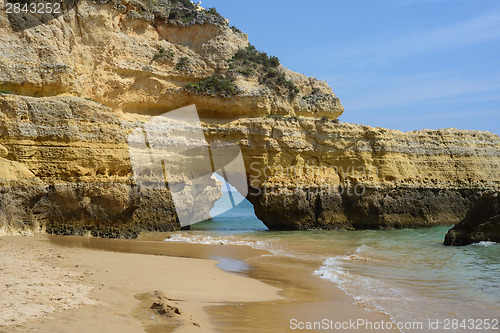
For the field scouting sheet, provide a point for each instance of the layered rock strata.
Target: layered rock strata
(138, 60)
(322, 174)
(302, 173)
(75, 86)
(66, 170)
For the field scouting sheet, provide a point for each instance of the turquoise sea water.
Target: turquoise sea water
(407, 274)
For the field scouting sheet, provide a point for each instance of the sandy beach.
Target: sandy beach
(55, 284)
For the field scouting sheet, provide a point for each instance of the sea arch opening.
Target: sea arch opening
(232, 213)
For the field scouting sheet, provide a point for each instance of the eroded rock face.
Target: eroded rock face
(92, 75)
(16, 206)
(302, 173)
(322, 174)
(141, 64)
(68, 172)
(482, 223)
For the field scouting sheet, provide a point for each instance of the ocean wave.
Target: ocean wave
(399, 304)
(366, 291)
(333, 270)
(224, 240)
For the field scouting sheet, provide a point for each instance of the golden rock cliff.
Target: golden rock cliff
(141, 63)
(314, 173)
(80, 82)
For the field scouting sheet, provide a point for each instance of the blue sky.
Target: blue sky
(402, 64)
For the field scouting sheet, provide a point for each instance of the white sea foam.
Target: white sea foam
(367, 291)
(357, 275)
(333, 270)
(485, 243)
(362, 248)
(225, 240)
(399, 304)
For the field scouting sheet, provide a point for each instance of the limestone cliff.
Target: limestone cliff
(67, 171)
(139, 60)
(80, 82)
(323, 174)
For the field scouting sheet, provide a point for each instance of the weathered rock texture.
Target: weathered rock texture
(82, 81)
(322, 174)
(482, 223)
(109, 53)
(67, 171)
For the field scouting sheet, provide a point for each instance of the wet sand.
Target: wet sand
(306, 298)
(114, 283)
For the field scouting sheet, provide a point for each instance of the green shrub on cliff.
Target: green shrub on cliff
(185, 3)
(275, 78)
(175, 12)
(236, 29)
(163, 55)
(249, 61)
(250, 55)
(156, 4)
(216, 84)
(182, 64)
(214, 12)
(246, 71)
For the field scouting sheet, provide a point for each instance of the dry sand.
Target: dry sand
(54, 284)
(47, 288)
